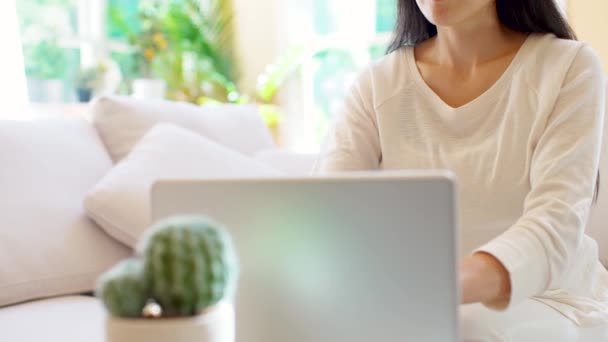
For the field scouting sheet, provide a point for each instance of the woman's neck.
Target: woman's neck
(474, 41)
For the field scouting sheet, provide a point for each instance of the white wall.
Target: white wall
(264, 29)
(589, 19)
(12, 84)
(257, 27)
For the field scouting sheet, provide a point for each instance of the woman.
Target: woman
(499, 92)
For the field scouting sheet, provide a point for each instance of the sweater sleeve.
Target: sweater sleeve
(353, 143)
(540, 246)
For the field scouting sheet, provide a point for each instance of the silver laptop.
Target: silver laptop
(351, 258)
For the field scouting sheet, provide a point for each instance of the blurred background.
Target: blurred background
(295, 58)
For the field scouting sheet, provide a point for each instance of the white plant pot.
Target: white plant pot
(149, 89)
(54, 91)
(216, 325)
(45, 90)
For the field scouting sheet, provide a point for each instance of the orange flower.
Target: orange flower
(149, 54)
(160, 41)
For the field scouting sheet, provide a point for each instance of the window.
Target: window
(348, 35)
(60, 37)
(12, 84)
(123, 16)
(110, 43)
(48, 31)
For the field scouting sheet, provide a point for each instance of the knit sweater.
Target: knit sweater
(525, 153)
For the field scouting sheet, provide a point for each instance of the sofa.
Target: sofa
(51, 251)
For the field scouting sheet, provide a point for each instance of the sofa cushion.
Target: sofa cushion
(64, 319)
(48, 246)
(290, 163)
(123, 121)
(120, 202)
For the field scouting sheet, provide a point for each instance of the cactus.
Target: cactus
(122, 289)
(189, 264)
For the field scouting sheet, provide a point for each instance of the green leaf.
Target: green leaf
(276, 74)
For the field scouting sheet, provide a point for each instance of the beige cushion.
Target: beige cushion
(48, 246)
(123, 121)
(120, 202)
(64, 319)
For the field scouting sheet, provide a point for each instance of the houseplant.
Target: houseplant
(88, 80)
(147, 40)
(200, 67)
(188, 44)
(46, 65)
(178, 288)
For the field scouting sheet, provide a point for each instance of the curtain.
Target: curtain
(13, 89)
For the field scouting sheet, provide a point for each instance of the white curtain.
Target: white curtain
(13, 89)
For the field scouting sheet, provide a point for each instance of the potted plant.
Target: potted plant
(147, 40)
(148, 86)
(46, 65)
(178, 288)
(200, 67)
(88, 81)
(186, 43)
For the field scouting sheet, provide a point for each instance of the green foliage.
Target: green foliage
(30, 10)
(187, 43)
(186, 264)
(45, 60)
(386, 15)
(271, 115)
(276, 74)
(44, 57)
(146, 37)
(120, 12)
(89, 78)
(200, 65)
(189, 265)
(122, 289)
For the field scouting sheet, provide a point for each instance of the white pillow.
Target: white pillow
(123, 121)
(48, 246)
(290, 163)
(120, 203)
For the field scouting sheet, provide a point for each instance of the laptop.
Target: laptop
(347, 258)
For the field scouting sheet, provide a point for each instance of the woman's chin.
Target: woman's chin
(441, 16)
(442, 20)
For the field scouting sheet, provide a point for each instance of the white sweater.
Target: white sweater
(526, 154)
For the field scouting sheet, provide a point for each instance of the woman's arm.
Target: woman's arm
(353, 144)
(484, 279)
(535, 253)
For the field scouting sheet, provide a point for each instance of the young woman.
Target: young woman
(499, 92)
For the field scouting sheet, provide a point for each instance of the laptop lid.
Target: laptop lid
(358, 257)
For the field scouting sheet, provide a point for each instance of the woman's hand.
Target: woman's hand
(484, 279)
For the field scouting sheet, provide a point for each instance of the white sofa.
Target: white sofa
(51, 253)
(73, 317)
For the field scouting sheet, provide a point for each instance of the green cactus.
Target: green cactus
(122, 289)
(189, 264)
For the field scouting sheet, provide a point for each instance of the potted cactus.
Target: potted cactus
(178, 288)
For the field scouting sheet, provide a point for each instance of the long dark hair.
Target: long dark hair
(526, 16)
